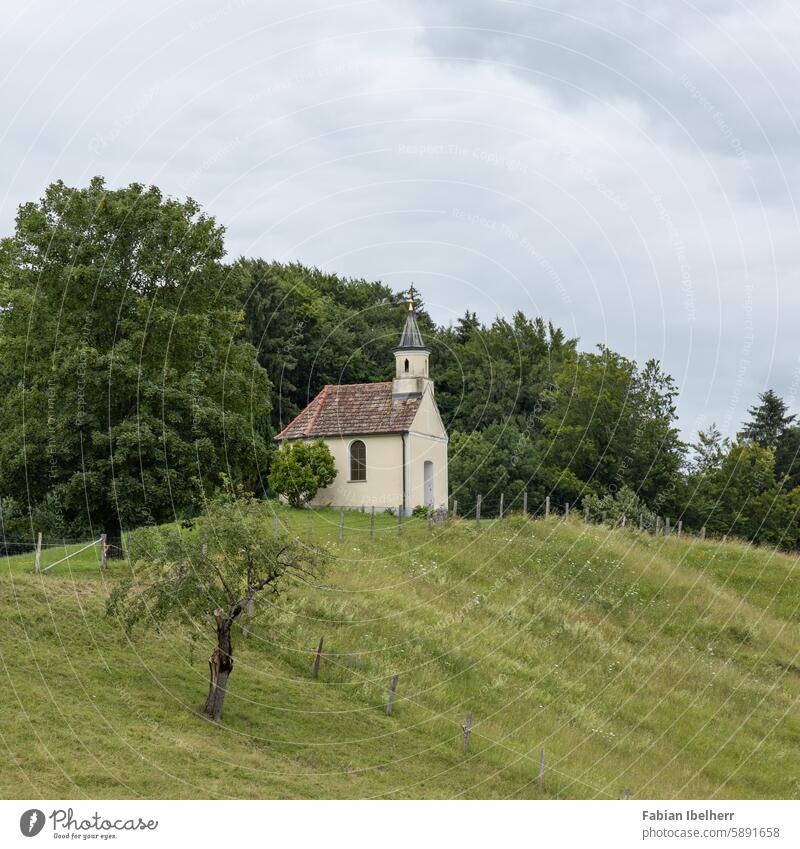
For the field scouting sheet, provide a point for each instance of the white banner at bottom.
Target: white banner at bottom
(402, 825)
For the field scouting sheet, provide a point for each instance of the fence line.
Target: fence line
(655, 524)
(534, 758)
(79, 551)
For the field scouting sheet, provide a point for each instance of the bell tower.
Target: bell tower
(411, 377)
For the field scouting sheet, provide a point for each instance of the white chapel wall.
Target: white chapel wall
(432, 449)
(383, 487)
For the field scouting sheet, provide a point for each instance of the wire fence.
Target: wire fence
(72, 554)
(11, 547)
(38, 547)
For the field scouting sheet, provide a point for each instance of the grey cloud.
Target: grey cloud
(717, 74)
(631, 179)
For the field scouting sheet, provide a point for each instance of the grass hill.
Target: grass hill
(667, 666)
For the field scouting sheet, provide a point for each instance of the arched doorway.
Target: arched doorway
(428, 478)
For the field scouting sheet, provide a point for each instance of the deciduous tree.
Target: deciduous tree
(126, 392)
(301, 469)
(177, 579)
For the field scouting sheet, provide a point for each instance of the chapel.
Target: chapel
(387, 439)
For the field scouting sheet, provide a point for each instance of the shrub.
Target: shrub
(300, 469)
(624, 503)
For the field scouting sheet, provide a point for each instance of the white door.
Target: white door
(428, 483)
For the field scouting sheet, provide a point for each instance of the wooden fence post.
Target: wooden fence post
(666, 526)
(585, 514)
(37, 561)
(641, 521)
(103, 552)
(341, 524)
(467, 731)
(624, 520)
(392, 690)
(566, 510)
(626, 793)
(603, 517)
(400, 519)
(372, 522)
(541, 768)
(724, 537)
(547, 507)
(658, 524)
(478, 509)
(455, 509)
(703, 532)
(317, 655)
(525, 503)
(502, 499)
(429, 518)
(680, 527)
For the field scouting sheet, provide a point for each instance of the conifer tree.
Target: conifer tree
(768, 420)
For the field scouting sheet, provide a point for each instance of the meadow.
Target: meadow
(667, 667)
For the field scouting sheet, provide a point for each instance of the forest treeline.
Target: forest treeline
(528, 410)
(140, 370)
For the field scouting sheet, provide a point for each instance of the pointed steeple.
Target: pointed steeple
(411, 337)
(411, 358)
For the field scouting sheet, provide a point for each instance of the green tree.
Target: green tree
(699, 489)
(768, 420)
(787, 457)
(654, 459)
(590, 422)
(177, 580)
(312, 327)
(611, 425)
(740, 492)
(779, 514)
(501, 460)
(126, 392)
(709, 451)
(300, 469)
(496, 374)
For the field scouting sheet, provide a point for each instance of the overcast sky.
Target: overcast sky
(627, 171)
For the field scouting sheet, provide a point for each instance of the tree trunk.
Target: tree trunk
(220, 666)
(113, 532)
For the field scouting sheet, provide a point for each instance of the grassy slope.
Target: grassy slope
(667, 666)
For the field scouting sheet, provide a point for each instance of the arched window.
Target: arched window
(406, 366)
(358, 461)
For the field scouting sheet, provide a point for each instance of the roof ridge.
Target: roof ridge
(321, 399)
(368, 383)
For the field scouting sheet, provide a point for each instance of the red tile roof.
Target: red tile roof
(351, 409)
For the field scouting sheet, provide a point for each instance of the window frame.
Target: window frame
(362, 462)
